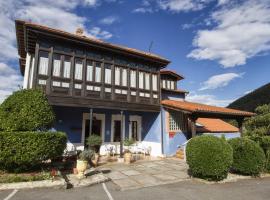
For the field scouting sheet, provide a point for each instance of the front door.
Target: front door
(117, 131)
(96, 128)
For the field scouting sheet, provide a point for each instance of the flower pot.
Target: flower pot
(127, 157)
(81, 167)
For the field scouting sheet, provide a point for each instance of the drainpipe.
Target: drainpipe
(121, 137)
(162, 131)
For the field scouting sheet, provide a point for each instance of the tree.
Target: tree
(26, 110)
(259, 124)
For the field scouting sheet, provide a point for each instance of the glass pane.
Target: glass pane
(147, 81)
(124, 77)
(172, 85)
(78, 70)
(154, 82)
(66, 73)
(133, 78)
(98, 73)
(56, 65)
(117, 76)
(89, 73)
(43, 63)
(141, 80)
(108, 75)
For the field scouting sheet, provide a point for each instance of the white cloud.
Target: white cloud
(208, 99)
(182, 5)
(10, 80)
(143, 10)
(220, 80)
(98, 33)
(242, 31)
(109, 20)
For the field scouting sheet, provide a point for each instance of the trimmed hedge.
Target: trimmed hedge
(248, 156)
(264, 142)
(209, 157)
(21, 151)
(26, 110)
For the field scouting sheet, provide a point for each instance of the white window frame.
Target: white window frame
(141, 80)
(147, 81)
(89, 72)
(108, 76)
(98, 74)
(133, 78)
(154, 82)
(78, 74)
(115, 118)
(138, 119)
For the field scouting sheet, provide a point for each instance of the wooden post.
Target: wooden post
(91, 121)
(193, 126)
(240, 126)
(121, 136)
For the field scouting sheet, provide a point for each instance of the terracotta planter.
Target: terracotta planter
(128, 157)
(81, 167)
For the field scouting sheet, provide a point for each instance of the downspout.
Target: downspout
(162, 131)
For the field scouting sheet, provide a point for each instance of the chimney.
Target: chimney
(79, 32)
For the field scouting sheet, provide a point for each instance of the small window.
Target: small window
(98, 73)
(78, 69)
(154, 82)
(124, 77)
(168, 84)
(89, 72)
(141, 80)
(147, 81)
(56, 65)
(108, 74)
(164, 84)
(66, 71)
(133, 77)
(172, 85)
(117, 76)
(43, 63)
(177, 121)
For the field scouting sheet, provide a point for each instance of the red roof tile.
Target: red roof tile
(204, 109)
(173, 73)
(215, 125)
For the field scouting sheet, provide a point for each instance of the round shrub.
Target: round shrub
(26, 110)
(248, 156)
(264, 142)
(209, 157)
(22, 151)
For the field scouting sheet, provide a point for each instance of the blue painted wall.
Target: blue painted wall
(69, 120)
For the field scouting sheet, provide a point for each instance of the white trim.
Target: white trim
(26, 71)
(32, 72)
(114, 118)
(86, 116)
(139, 125)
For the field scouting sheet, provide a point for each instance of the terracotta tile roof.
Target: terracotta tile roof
(173, 73)
(215, 125)
(204, 109)
(93, 40)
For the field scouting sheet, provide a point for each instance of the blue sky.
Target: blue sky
(220, 46)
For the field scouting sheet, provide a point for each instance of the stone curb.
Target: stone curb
(57, 184)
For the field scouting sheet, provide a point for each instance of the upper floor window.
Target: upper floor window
(163, 83)
(147, 81)
(67, 67)
(154, 82)
(120, 76)
(43, 63)
(89, 71)
(108, 74)
(141, 80)
(172, 85)
(133, 78)
(124, 77)
(56, 65)
(78, 69)
(117, 76)
(98, 73)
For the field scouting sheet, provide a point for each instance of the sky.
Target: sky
(221, 47)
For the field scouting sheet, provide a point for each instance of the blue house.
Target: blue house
(110, 90)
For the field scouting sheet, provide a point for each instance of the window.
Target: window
(124, 77)
(117, 76)
(141, 80)
(172, 85)
(147, 81)
(89, 71)
(43, 63)
(108, 74)
(78, 69)
(154, 82)
(133, 78)
(168, 84)
(56, 65)
(66, 71)
(163, 83)
(177, 121)
(98, 73)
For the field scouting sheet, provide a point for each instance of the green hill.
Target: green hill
(252, 100)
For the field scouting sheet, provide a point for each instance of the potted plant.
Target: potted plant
(94, 142)
(82, 161)
(127, 153)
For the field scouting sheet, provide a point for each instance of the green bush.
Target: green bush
(248, 156)
(21, 151)
(209, 157)
(264, 142)
(94, 142)
(26, 110)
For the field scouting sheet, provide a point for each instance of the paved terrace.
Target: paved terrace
(142, 174)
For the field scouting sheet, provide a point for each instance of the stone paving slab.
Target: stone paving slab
(147, 173)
